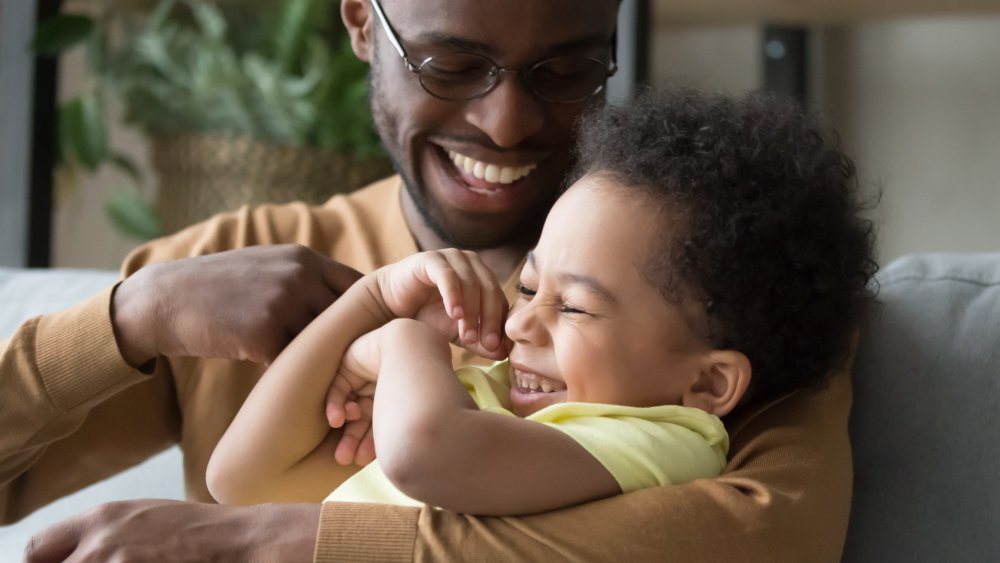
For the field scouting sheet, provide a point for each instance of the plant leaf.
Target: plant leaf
(61, 32)
(97, 51)
(132, 215)
(71, 130)
(82, 122)
(210, 20)
(297, 20)
(125, 164)
(161, 13)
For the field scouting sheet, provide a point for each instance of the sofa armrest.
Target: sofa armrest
(924, 427)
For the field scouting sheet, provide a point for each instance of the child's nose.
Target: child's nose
(521, 324)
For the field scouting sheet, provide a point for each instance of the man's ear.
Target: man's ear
(358, 20)
(721, 383)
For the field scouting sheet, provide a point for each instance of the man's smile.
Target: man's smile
(491, 173)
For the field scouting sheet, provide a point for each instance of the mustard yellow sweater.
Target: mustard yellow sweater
(73, 412)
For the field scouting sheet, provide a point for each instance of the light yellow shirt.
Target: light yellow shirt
(640, 446)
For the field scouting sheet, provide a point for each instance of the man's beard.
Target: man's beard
(450, 233)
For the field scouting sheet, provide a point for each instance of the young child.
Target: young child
(707, 238)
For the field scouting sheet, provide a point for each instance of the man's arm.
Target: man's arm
(64, 392)
(785, 496)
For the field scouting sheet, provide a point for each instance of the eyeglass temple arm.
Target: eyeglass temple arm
(391, 34)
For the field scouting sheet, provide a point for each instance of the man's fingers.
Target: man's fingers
(52, 545)
(338, 277)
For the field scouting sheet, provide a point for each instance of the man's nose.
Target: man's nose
(508, 114)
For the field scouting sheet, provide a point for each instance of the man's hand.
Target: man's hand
(242, 304)
(174, 532)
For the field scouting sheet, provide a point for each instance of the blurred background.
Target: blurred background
(913, 86)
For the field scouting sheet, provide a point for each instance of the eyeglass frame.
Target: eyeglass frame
(497, 69)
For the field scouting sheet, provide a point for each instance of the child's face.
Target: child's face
(587, 325)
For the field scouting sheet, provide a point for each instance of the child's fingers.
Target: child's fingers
(365, 452)
(352, 411)
(461, 261)
(441, 274)
(337, 397)
(345, 452)
(493, 304)
(354, 432)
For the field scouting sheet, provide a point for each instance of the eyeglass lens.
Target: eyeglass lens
(462, 76)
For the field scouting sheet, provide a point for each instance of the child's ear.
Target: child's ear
(357, 17)
(721, 383)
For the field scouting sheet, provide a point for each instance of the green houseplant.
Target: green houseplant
(274, 78)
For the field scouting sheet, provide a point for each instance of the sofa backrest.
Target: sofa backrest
(925, 426)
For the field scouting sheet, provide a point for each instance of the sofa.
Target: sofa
(924, 426)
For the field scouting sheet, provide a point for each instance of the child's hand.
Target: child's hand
(349, 400)
(454, 292)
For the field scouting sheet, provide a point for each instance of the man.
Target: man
(481, 151)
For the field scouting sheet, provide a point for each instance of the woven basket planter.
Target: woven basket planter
(201, 175)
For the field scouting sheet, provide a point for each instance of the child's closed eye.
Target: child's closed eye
(525, 290)
(570, 309)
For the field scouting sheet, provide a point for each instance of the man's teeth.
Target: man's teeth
(492, 173)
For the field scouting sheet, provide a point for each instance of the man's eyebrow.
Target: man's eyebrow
(441, 39)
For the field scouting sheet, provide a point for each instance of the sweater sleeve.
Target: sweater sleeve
(785, 496)
(64, 388)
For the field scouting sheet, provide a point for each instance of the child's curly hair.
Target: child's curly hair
(767, 230)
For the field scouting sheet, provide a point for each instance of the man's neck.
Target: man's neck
(503, 260)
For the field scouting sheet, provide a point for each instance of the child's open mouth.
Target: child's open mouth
(528, 382)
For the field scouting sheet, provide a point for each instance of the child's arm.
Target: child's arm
(436, 446)
(280, 447)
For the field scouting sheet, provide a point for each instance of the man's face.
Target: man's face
(444, 149)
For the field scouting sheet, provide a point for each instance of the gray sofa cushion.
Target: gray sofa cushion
(27, 293)
(924, 426)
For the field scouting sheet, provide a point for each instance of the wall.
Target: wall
(83, 237)
(917, 103)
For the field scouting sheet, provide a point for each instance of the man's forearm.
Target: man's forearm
(54, 370)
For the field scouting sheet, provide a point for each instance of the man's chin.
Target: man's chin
(479, 230)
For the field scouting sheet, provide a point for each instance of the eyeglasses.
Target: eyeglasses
(464, 76)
